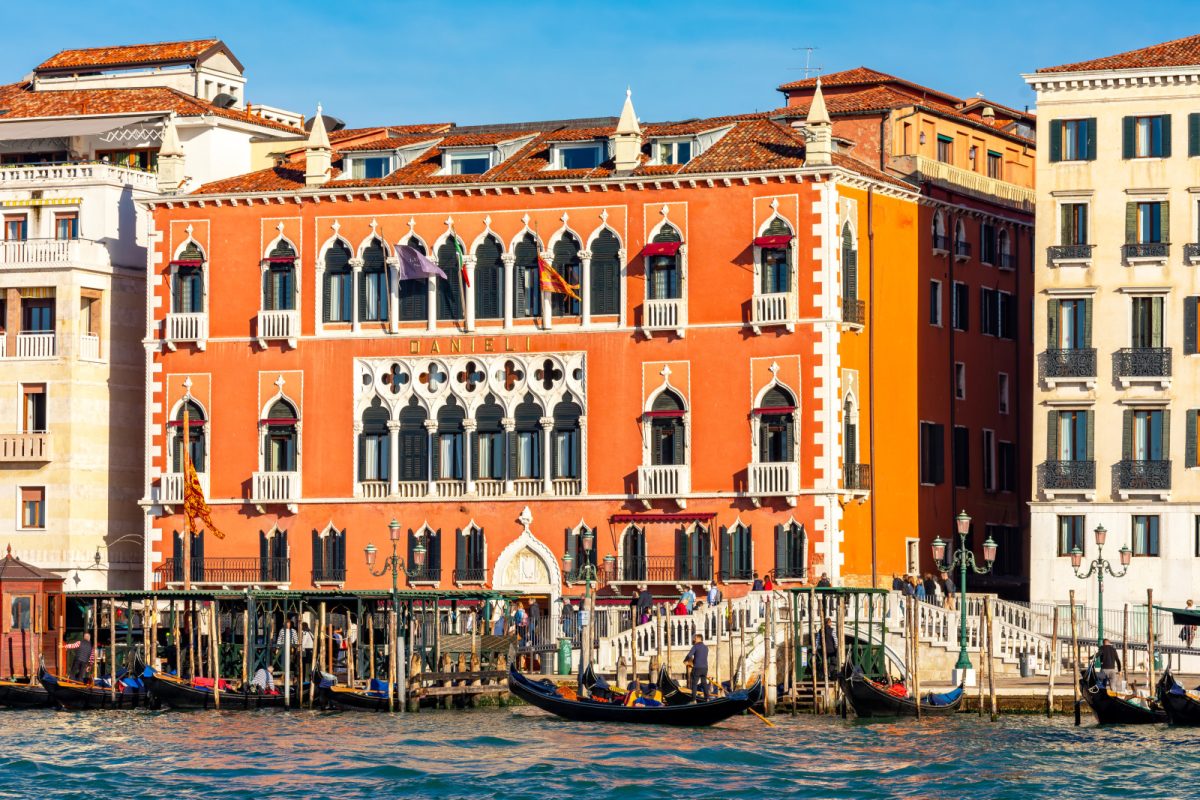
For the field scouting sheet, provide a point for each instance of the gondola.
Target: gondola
(1111, 708)
(1181, 706)
(373, 697)
(545, 695)
(177, 693)
(69, 694)
(672, 693)
(23, 693)
(871, 699)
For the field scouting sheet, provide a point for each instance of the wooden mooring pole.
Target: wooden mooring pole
(1125, 644)
(916, 667)
(112, 651)
(1053, 667)
(1150, 642)
(1074, 658)
(991, 656)
(812, 643)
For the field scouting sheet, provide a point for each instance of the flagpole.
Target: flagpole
(187, 464)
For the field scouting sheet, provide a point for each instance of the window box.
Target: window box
(1068, 477)
(1075, 365)
(1062, 255)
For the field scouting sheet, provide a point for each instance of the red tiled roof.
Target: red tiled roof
(1183, 52)
(19, 101)
(865, 76)
(153, 53)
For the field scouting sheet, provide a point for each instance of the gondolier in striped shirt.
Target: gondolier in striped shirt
(697, 660)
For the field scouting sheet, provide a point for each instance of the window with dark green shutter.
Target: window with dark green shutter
(374, 452)
(279, 279)
(741, 553)
(414, 444)
(776, 423)
(633, 554)
(449, 289)
(605, 269)
(489, 451)
(197, 448)
(567, 264)
(791, 551)
(667, 430)
(932, 441)
(1146, 137)
(849, 265)
(373, 284)
(1190, 450)
(470, 555)
(489, 280)
(962, 457)
(526, 451)
(414, 294)
(448, 448)
(565, 445)
(336, 292)
(329, 556)
(1193, 135)
(1190, 308)
(527, 287)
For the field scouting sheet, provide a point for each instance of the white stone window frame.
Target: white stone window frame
(756, 421)
(548, 255)
(622, 272)
(600, 146)
(682, 264)
(793, 268)
(265, 266)
(206, 428)
(322, 535)
(1003, 390)
(262, 431)
(363, 156)
(941, 300)
(20, 518)
(940, 227)
(172, 275)
(731, 530)
(960, 380)
(465, 532)
(453, 154)
(648, 423)
(319, 283)
(988, 436)
(390, 264)
(1194, 204)
(673, 142)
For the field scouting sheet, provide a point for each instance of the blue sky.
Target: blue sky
(470, 62)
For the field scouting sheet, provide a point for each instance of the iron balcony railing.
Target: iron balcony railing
(226, 571)
(941, 242)
(962, 249)
(648, 569)
(1145, 250)
(736, 573)
(792, 572)
(329, 575)
(1007, 261)
(1191, 251)
(857, 477)
(471, 575)
(1136, 475)
(1069, 475)
(425, 574)
(1079, 362)
(1142, 362)
(854, 311)
(1069, 252)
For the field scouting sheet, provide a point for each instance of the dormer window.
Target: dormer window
(363, 167)
(675, 152)
(579, 156)
(469, 162)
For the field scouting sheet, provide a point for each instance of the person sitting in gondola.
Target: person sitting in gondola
(263, 681)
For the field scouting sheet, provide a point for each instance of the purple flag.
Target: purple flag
(415, 265)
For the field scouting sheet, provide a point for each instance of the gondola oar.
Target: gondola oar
(760, 716)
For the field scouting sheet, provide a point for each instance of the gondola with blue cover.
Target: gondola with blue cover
(869, 698)
(76, 695)
(174, 692)
(1181, 706)
(547, 696)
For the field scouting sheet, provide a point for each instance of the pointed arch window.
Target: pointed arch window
(187, 287)
(667, 430)
(580, 555)
(197, 442)
(489, 452)
(338, 279)
(448, 449)
(694, 551)
(489, 280)
(633, 554)
(414, 292)
(564, 454)
(849, 265)
(776, 426)
(196, 542)
(279, 279)
(280, 438)
(328, 556)
(470, 555)
(449, 289)
(791, 551)
(372, 284)
(431, 572)
(567, 263)
(605, 274)
(414, 444)
(274, 557)
(527, 287)
(1004, 256)
(737, 553)
(850, 433)
(775, 263)
(940, 240)
(527, 440)
(662, 269)
(374, 447)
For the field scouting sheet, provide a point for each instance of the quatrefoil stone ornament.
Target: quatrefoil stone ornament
(509, 376)
(470, 376)
(549, 374)
(433, 377)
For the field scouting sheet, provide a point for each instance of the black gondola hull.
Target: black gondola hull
(690, 715)
(79, 696)
(359, 700)
(1179, 707)
(868, 701)
(18, 694)
(1113, 710)
(180, 695)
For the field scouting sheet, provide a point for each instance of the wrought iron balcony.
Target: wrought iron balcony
(226, 572)
(1065, 364)
(1069, 475)
(471, 575)
(647, 569)
(1069, 252)
(1191, 252)
(1006, 261)
(790, 573)
(1148, 251)
(1142, 362)
(854, 311)
(1141, 476)
(962, 251)
(857, 477)
(329, 575)
(941, 243)
(425, 574)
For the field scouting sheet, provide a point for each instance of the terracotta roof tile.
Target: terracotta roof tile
(156, 52)
(1183, 52)
(865, 76)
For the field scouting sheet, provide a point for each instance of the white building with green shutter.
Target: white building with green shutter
(1116, 293)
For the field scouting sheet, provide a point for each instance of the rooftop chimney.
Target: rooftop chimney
(170, 159)
(627, 138)
(818, 151)
(318, 155)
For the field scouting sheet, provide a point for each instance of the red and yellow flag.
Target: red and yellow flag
(553, 282)
(194, 505)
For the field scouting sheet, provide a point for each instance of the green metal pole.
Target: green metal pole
(1099, 599)
(964, 661)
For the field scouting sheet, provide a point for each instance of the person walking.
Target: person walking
(950, 589)
(535, 617)
(714, 594)
(688, 598)
(918, 589)
(645, 601)
(1188, 632)
(757, 586)
(1110, 664)
(697, 661)
(930, 587)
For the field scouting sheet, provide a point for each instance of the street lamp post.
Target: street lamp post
(587, 571)
(1098, 567)
(964, 559)
(396, 565)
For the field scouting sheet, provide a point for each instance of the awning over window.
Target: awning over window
(187, 262)
(663, 414)
(192, 422)
(32, 202)
(36, 292)
(780, 240)
(774, 410)
(661, 248)
(279, 421)
(50, 127)
(705, 516)
(280, 259)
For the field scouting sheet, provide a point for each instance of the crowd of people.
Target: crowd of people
(938, 591)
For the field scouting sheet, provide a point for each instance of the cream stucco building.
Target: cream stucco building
(1117, 375)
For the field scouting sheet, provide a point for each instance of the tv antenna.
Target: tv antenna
(808, 67)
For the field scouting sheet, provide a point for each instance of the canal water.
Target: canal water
(522, 753)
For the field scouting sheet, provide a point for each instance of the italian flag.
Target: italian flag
(462, 262)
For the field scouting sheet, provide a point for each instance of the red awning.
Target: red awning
(661, 248)
(187, 262)
(663, 414)
(774, 410)
(279, 421)
(682, 517)
(280, 259)
(780, 240)
(178, 423)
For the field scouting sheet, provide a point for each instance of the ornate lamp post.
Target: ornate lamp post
(587, 572)
(1098, 567)
(395, 563)
(964, 559)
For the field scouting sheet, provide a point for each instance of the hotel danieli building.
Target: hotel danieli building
(706, 407)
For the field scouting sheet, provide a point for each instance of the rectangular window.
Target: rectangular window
(1003, 391)
(566, 454)
(960, 380)
(491, 456)
(33, 507)
(529, 454)
(281, 449)
(1007, 466)
(1150, 223)
(585, 156)
(959, 307)
(375, 299)
(664, 278)
(1072, 435)
(66, 225)
(472, 163)
(1145, 535)
(450, 456)
(1147, 323)
(1075, 139)
(376, 457)
(674, 152)
(1070, 534)
(962, 457)
(530, 292)
(371, 167)
(1150, 137)
(1196, 535)
(22, 612)
(989, 461)
(1072, 324)
(339, 296)
(1074, 223)
(935, 303)
(1148, 435)
(1006, 315)
(37, 316)
(932, 455)
(945, 149)
(15, 228)
(989, 323)
(995, 165)
(33, 412)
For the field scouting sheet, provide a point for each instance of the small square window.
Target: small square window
(66, 225)
(470, 163)
(587, 156)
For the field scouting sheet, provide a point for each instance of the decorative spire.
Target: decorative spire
(817, 113)
(628, 123)
(171, 161)
(170, 140)
(317, 137)
(318, 155)
(627, 138)
(818, 134)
